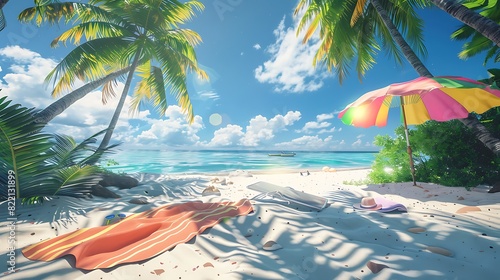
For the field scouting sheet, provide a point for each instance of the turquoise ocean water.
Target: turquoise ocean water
(183, 162)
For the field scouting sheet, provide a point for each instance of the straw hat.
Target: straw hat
(368, 203)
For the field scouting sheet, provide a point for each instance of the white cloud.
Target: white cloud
(324, 117)
(171, 131)
(260, 129)
(320, 126)
(357, 143)
(329, 130)
(208, 94)
(257, 47)
(311, 127)
(290, 67)
(19, 54)
(23, 80)
(228, 136)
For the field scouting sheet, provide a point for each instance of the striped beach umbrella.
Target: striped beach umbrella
(426, 98)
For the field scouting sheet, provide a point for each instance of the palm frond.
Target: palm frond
(23, 148)
(88, 61)
(49, 11)
(44, 165)
(358, 11)
(76, 181)
(90, 31)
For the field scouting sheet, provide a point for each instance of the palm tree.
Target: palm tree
(141, 35)
(356, 13)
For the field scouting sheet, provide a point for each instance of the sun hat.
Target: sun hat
(368, 203)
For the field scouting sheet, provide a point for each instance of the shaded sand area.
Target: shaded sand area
(447, 233)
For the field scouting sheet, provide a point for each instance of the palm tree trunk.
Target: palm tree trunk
(119, 107)
(477, 128)
(3, 2)
(57, 107)
(487, 27)
(400, 40)
(482, 134)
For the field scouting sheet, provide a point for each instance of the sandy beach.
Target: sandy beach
(446, 233)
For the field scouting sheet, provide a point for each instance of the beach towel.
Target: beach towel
(137, 237)
(289, 194)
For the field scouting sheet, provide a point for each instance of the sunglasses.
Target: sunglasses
(111, 218)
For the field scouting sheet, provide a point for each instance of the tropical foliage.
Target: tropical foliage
(445, 153)
(43, 164)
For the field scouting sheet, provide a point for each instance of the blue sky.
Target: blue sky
(263, 92)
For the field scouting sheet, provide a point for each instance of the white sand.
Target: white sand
(336, 243)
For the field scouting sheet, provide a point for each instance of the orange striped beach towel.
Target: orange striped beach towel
(138, 237)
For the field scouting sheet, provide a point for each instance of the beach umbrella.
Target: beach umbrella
(426, 98)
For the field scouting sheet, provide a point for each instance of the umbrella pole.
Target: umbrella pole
(408, 146)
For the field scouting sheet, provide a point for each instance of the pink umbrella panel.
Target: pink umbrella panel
(422, 99)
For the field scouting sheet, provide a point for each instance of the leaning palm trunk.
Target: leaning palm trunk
(478, 129)
(119, 107)
(3, 2)
(57, 107)
(410, 55)
(487, 27)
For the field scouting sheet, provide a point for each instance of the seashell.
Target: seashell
(417, 229)
(158, 271)
(210, 190)
(208, 264)
(375, 267)
(468, 209)
(271, 246)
